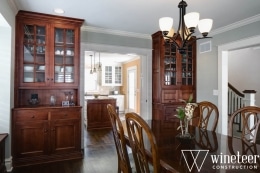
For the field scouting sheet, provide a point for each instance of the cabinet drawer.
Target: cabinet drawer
(30, 115)
(169, 96)
(170, 112)
(65, 114)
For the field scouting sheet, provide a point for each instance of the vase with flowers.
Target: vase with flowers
(185, 114)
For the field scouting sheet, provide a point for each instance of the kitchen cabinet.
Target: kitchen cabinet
(174, 77)
(47, 56)
(45, 135)
(111, 75)
(120, 102)
(97, 114)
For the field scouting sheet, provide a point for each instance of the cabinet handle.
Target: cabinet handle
(33, 116)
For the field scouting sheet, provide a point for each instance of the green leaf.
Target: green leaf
(180, 113)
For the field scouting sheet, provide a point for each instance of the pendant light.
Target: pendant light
(99, 65)
(91, 72)
(94, 70)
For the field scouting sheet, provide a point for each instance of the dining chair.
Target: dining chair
(249, 116)
(120, 142)
(144, 147)
(236, 145)
(206, 140)
(206, 111)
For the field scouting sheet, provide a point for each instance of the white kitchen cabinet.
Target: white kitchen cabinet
(120, 102)
(111, 75)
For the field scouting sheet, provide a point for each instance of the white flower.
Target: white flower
(189, 108)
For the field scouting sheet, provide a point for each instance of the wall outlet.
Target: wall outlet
(215, 92)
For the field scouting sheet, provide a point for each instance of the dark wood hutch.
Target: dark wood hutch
(47, 55)
(173, 77)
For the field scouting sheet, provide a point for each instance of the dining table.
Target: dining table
(205, 151)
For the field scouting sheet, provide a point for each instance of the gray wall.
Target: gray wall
(115, 40)
(207, 63)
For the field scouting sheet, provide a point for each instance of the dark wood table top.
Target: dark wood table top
(212, 152)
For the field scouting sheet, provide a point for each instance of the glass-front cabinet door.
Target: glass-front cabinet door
(177, 69)
(64, 48)
(169, 64)
(34, 57)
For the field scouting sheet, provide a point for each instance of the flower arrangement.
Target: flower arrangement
(185, 115)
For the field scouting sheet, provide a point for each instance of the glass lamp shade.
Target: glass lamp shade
(165, 23)
(191, 19)
(205, 25)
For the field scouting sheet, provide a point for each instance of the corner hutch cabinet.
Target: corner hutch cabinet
(46, 69)
(174, 77)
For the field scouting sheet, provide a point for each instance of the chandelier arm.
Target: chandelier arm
(174, 41)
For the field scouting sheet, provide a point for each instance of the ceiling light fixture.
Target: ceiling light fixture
(99, 65)
(58, 10)
(94, 70)
(91, 72)
(187, 24)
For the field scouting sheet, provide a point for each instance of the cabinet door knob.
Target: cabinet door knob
(45, 130)
(33, 116)
(53, 129)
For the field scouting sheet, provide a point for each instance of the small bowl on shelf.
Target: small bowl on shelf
(96, 96)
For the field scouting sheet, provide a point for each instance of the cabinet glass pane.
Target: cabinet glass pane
(118, 75)
(187, 67)
(170, 65)
(108, 74)
(34, 53)
(64, 55)
(70, 36)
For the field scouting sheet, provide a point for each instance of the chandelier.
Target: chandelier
(187, 24)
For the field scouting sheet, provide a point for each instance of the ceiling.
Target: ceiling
(140, 17)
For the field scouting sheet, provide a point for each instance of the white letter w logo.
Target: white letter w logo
(193, 155)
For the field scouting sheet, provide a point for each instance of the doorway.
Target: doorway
(223, 77)
(131, 88)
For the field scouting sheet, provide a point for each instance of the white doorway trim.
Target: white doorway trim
(223, 77)
(132, 69)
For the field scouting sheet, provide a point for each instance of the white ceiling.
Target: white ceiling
(140, 17)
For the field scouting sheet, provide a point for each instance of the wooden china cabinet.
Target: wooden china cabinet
(46, 75)
(174, 77)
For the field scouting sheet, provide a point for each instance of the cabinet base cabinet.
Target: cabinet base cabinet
(97, 114)
(42, 135)
(2, 152)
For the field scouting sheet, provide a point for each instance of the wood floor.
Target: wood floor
(99, 157)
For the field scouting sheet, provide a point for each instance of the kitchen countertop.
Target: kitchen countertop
(99, 98)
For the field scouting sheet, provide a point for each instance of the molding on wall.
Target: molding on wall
(115, 32)
(235, 25)
(13, 6)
